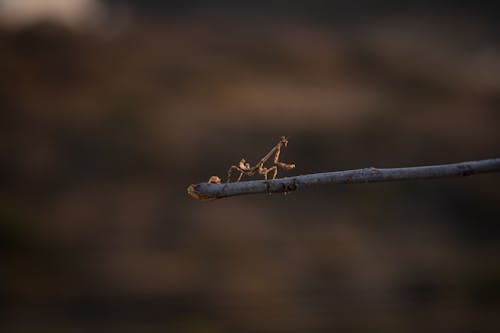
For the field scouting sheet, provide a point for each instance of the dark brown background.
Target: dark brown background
(102, 128)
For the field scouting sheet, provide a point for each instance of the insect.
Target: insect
(244, 168)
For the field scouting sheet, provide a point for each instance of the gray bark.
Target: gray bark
(206, 191)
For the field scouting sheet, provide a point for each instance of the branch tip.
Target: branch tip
(191, 190)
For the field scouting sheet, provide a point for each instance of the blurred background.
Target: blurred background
(110, 109)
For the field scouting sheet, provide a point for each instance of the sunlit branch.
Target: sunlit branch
(208, 191)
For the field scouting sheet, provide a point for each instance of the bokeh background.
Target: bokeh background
(110, 109)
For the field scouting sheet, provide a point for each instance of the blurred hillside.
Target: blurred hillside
(102, 130)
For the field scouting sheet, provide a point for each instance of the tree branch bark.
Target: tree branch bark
(206, 191)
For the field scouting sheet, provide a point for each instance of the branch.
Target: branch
(210, 191)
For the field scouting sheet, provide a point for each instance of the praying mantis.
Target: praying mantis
(244, 168)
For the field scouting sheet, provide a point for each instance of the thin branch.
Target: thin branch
(210, 191)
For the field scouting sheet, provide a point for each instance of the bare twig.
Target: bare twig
(208, 191)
